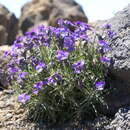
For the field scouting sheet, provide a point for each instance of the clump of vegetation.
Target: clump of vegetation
(58, 72)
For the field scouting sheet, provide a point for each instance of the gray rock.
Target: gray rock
(119, 68)
(121, 120)
(8, 116)
(8, 26)
(121, 45)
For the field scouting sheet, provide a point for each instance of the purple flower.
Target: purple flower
(64, 23)
(19, 39)
(38, 86)
(111, 34)
(67, 22)
(106, 49)
(83, 26)
(107, 26)
(51, 80)
(23, 98)
(102, 43)
(35, 91)
(46, 44)
(12, 69)
(61, 32)
(57, 77)
(100, 85)
(62, 55)
(60, 22)
(40, 66)
(105, 59)
(17, 46)
(54, 79)
(22, 75)
(78, 66)
(69, 43)
(6, 53)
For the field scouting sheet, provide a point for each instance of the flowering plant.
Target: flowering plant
(58, 71)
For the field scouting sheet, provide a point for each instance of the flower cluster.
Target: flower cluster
(105, 45)
(48, 67)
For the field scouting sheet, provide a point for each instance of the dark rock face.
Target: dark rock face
(121, 44)
(119, 68)
(8, 26)
(48, 11)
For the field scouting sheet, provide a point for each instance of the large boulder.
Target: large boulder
(8, 26)
(48, 11)
(121, 44)
(120, 65)
(119, 68)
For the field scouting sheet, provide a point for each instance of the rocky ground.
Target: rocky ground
(13, 117)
